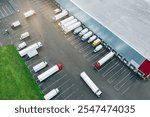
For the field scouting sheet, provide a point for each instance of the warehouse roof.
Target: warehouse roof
(127, 19)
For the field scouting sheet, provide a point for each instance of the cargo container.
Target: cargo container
(21, 45)
(104, 60)
(29, 13)
(96, 42)
(49, 72)
(84, 31)
(24, 35)
(97, 48)
(51, 94)
(91, 84)
(91, 39)
(69, 23)
(28, 50)
(77, 30)
(65, 20)
(15, 24)
(60, 15)
(40, 66)
(72, 27)
(86, 35)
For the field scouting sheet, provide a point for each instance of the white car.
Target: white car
(92, 38)
(97, 48)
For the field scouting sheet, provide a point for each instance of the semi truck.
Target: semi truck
(21, 45)
(24, 35)
(72, 27)
(49, 72)
(91, 84)
(91, 39)
(84, 31)
(104, 60)
(77, 30)
(65, 20)
(15, 24)
(29, 13)
(40, 66)
(60, 15)
(51, 94)
(86, 35)
(69, 23)
(31, 50)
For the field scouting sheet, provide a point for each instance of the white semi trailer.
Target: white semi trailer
(24, 35)
(15, 24)
(104, 60)
(29, 13)
(40, 66)
(49, 72)
(65, 20)
(69, 23)
(57, 10)
(86, 36)
(51, 94)
(72, 27)
(60, 15)
(91, 84)
(31, 50)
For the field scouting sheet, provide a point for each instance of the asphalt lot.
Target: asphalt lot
(115, 79)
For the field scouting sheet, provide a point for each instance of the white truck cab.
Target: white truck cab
(29, 13)
(24, 35)
(15, 24)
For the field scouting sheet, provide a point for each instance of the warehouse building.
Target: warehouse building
(124, 27)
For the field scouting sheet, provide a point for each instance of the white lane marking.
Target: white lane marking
(4, 10)
(2, 13)
(117, 85)
(111, 79)
(110, 69)
(83, 49)
(66, 90)
(55, 82)
(8, 9)
(78, 45)
(71, 94)
(92, 57)
(70, 38)
(88, 53)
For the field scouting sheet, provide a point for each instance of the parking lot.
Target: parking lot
(115, 79)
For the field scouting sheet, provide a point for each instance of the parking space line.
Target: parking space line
(70, 38)
(111, 69)
(65, 90)
(83, 49)
(111, 79)
(2, 13)
(71, 94)
(4, 10)
(117, 85)
(55, 82)
(89, 52)
(8, 9)
(92, 57)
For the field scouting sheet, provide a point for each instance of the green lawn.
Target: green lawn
(16, 81)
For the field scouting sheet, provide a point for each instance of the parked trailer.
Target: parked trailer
(21, 45)
(97, 48)
(86, 36)
(30, 48)
(77, 30)
(104, 60)
(60, 15)
(65, 20)
(40, 66)
(15, 24)
(57, 10)
(51, 94)
(69, 23)
(29, 13)
(32, 53)
(84, 31)
(24, 35)
(92, 38)
(49, 72)
(70, 28)
(91, 84)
